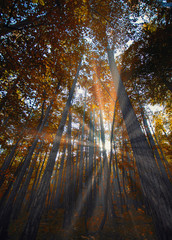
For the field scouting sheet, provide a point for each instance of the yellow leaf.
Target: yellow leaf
(42, 2)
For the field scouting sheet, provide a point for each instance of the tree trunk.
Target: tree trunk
(36, 180)
(106, 172)
(154, 149)
(7, 210)
(76, 167)
(81, 154)
(7, 162)
(90, 168)
(21, 195)
(153, 185)
(59, 181)
(68, 201)
(31, 228)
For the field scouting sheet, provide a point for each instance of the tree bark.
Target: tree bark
(31, 228)
(68, 201)
(7, 210)
(7, 162)
(153, 184)
(59, 181)
(22, 192)
(81, 154)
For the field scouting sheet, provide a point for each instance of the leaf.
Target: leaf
(42, 2)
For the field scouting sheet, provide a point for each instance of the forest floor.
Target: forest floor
(131, 225)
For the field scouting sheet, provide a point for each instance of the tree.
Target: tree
(142, 150)
(72, 183)
(31, 228)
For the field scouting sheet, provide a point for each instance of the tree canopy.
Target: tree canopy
(78, 139)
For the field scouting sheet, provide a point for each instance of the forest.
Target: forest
(85, 120)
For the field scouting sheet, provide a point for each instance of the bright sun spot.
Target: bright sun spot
(107, 145)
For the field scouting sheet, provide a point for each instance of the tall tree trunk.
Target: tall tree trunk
(162, 154)
(153, 184)
(152, 142)
(90, 167)
(81, 154)
(124, 174)
(95, 162)
(106, 172)
(7, 162)
(4, 197)
(132, 176)
(7, 210)
(110, 162)
(31, 228)
(101, 173)
(54, 182)
(76, 167)
(56, 201)
(10, 157)
(68, 201)
(36, 180)
(118, 179)
(22, 192)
